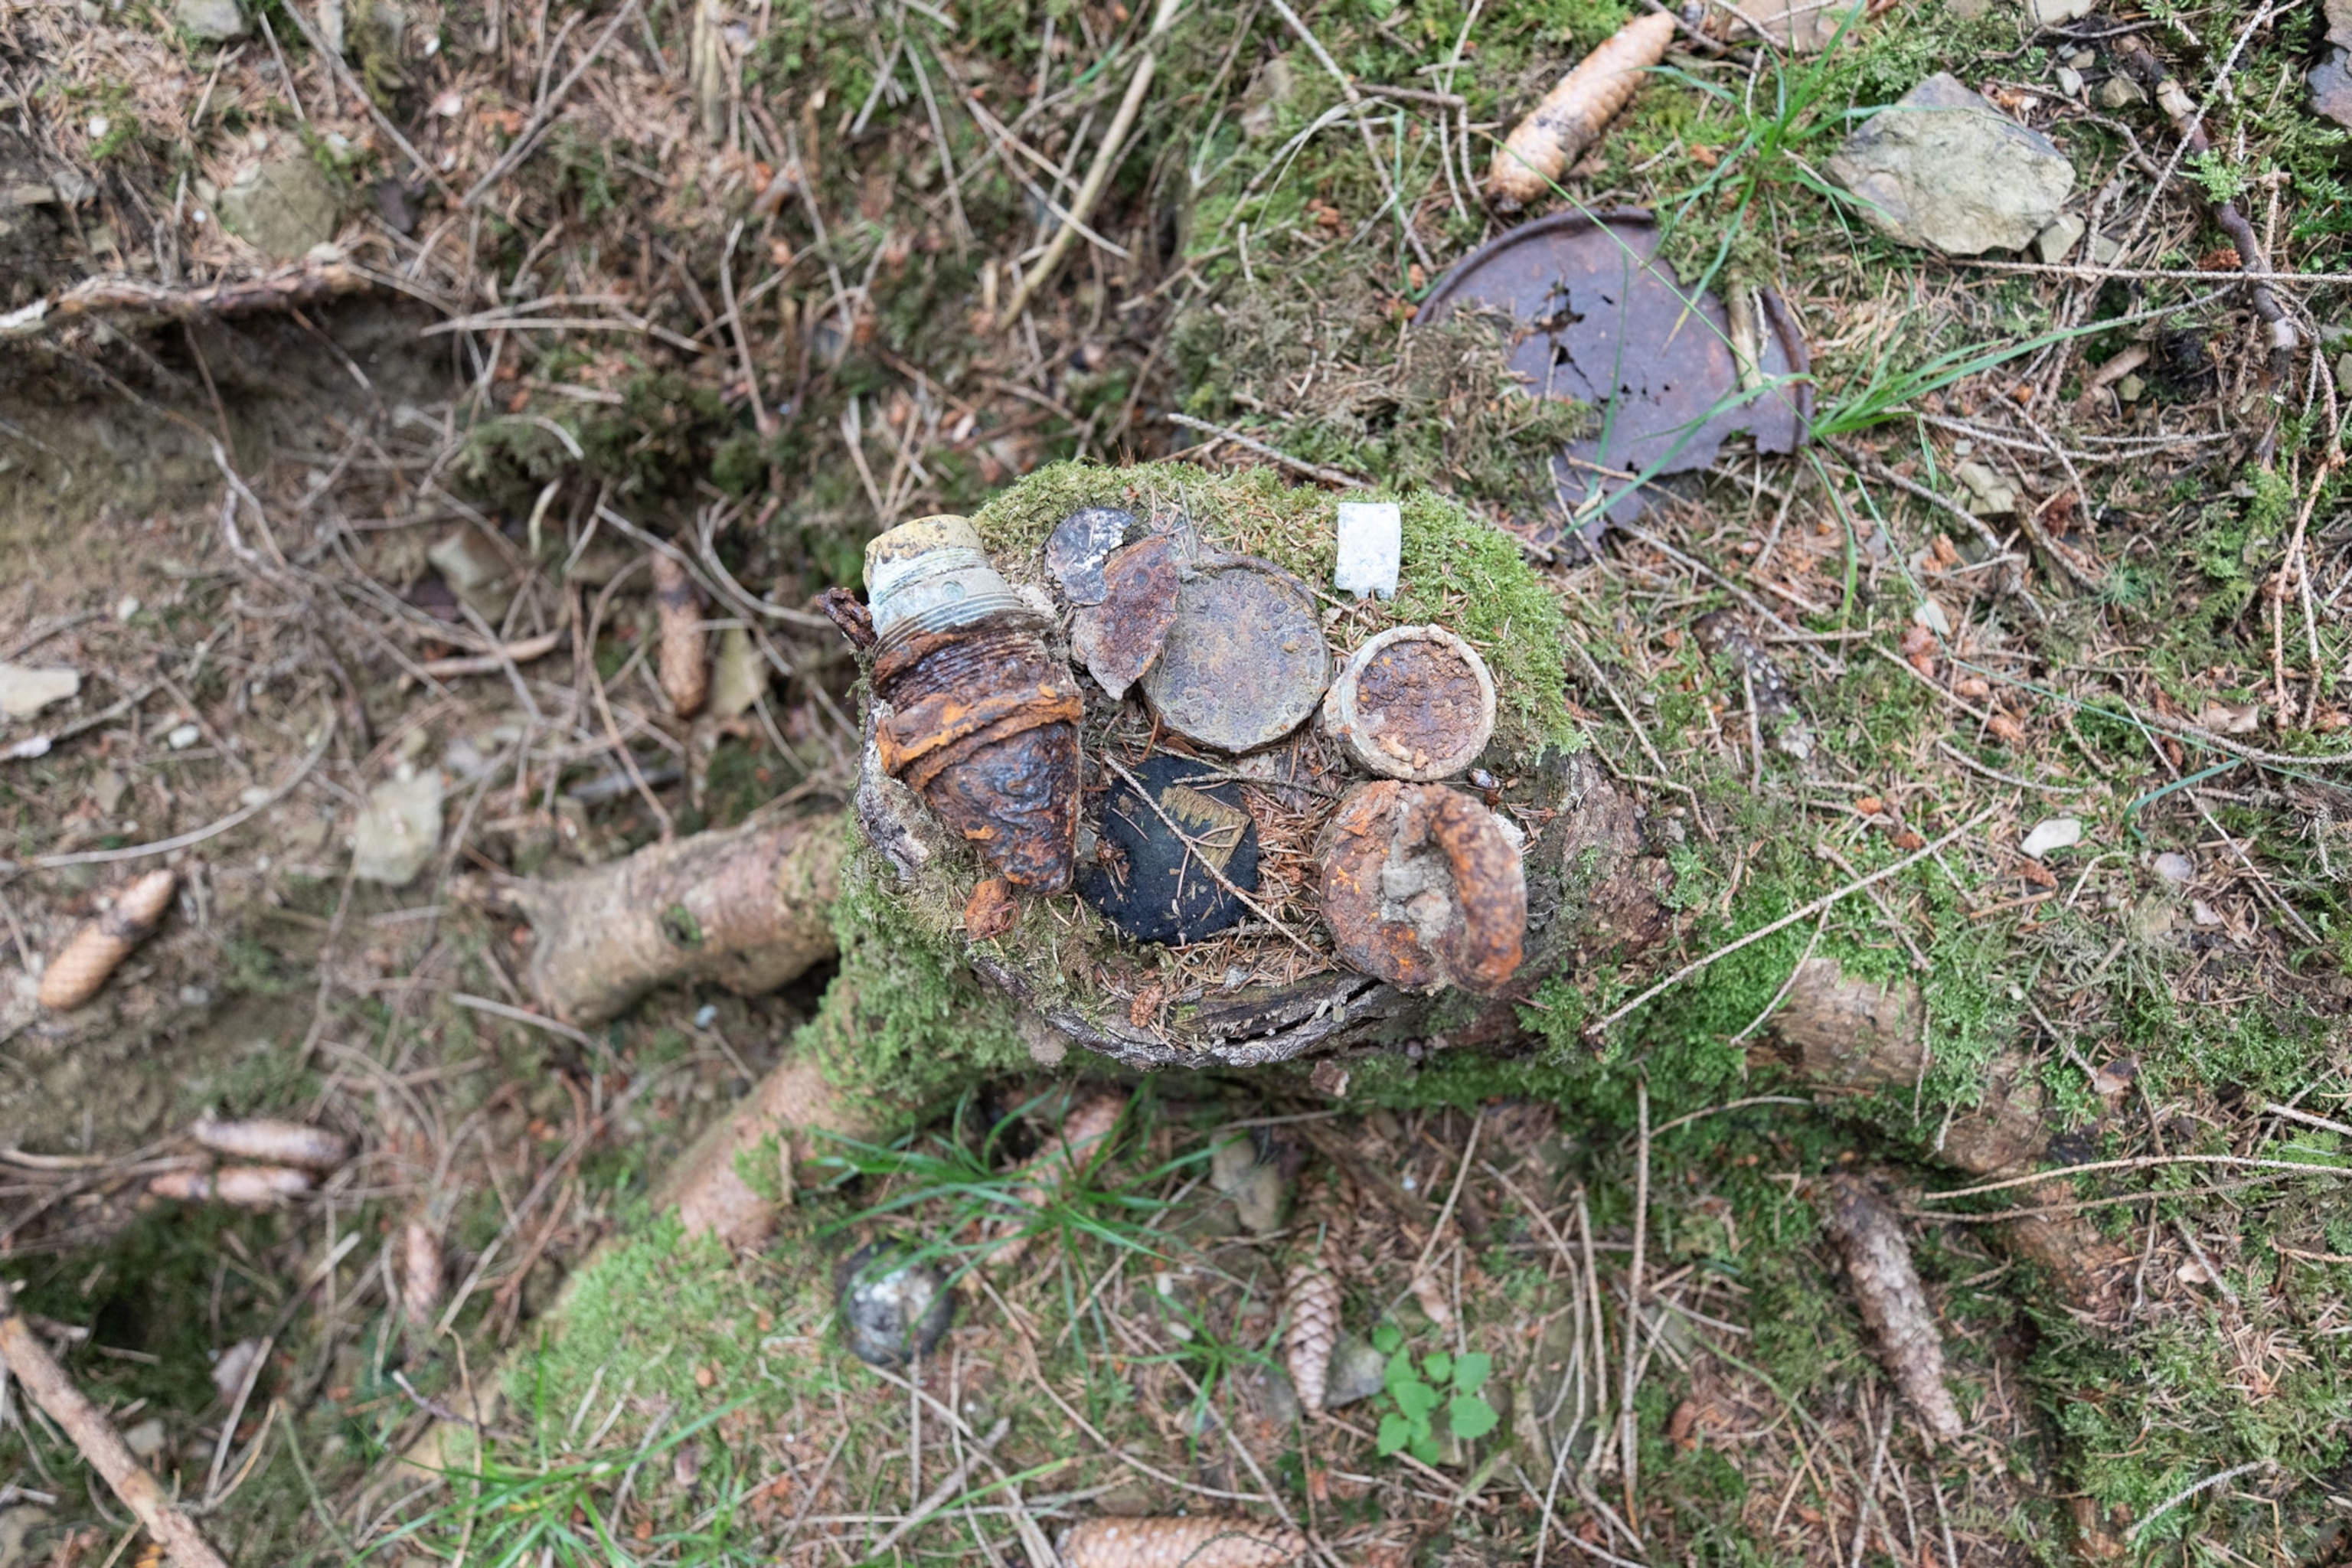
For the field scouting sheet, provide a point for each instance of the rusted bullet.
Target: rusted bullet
(1414, 702)
(982, 718)
(1423, 887)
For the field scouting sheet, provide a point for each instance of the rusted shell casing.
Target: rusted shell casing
(982, 718)
(77, 973)
(1422, 887)
(1414, 702)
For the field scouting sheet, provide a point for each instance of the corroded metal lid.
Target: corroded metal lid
(1245, 662)
(1414, 702)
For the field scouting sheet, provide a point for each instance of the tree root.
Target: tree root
(751, 908)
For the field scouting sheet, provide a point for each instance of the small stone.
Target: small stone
(398, 832)
(146, 1439)
(893, 1307)
(125, 607)
(2344, 372)
(2057, 242)
(1254, 1184)
(1278, 1399)
(1944, 169)
(2056, 833)
(2069, 81)
(1358, 1373)
(209, 21)
(2130, 389)
(26, 689)
(1372, 548)
(182, 736)
(2104, 252)
(1927, 613)
(108, 790)
(2202, 913)
(283, 209)
(2056, 13)
(467, 561)
(1993, 495)
(2121, 92)
(2175, 868)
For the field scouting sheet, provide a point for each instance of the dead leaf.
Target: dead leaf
(992, 911)
(2230, 717)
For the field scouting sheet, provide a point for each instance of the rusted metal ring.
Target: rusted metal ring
(1414, 702)
(1422, 887)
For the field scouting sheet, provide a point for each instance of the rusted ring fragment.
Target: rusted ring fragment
(1414, 702)
(974, 711)
(1423, 887)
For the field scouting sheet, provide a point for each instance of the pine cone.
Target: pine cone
(685, 672)
(1313, 1297)
(420, 1281)
(74, 975)
(1196, 1542)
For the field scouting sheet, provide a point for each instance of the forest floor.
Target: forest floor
(733, 274)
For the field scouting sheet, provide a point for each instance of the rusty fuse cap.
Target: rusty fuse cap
(1423, 887)
(981, 717)
(1414, 702)
(1245, 662)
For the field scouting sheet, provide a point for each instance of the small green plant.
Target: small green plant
(1418, 1392)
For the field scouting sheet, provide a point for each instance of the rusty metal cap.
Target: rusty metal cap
(1423, 888)
(1414, 702)
(1245, 663)
(932, 574)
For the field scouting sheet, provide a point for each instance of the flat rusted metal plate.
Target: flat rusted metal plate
(1603, 322)
(1118, 638)
(1077, 548)
(1245, 662)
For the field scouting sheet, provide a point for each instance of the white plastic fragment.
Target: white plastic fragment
(2057, 832)
(1372, 548)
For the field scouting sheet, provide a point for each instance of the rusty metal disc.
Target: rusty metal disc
(1414, 702)
(1118, 638)
(1245, 662)
(1603, 321)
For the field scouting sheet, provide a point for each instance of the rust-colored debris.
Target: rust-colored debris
(1423, 887)
(1414, 702)
(1118, 638)
(1603, 322)
(99, 948)
(982, 720)
(992, 911)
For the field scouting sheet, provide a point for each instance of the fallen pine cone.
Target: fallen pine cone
(1313, 1297)
(1194, 1542)
(274, 1143)
(95, 952)
(684, 671)
(1887, 1288)
(247, 1186)
(420, 1273)
(1573, 114)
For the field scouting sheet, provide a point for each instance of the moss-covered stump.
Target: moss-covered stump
(1272, 989)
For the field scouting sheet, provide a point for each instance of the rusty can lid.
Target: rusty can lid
(1245, 662)
(1414, 702)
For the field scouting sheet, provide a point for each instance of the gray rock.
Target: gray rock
(209, 21)
(893, 1307)
(2057, 242)
(2175, 868)
(283, 208)
(146, 1439)
(26, 688)
(2121, 92)
(1946, 170)
(1357, 1371)
(399, 830)
(2069, 81)
(1260, 1195)
(2056, 13)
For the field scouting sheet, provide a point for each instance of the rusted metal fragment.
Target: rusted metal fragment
(1414, 702)
(992, 911)
(982, 717)
(1161, 876)
(1603, 321)
(1245, 662)
(1079, 546)
(1118, 638)
(1422, 887)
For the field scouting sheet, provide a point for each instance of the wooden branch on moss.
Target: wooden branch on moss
(30, 1361)
(137, 300)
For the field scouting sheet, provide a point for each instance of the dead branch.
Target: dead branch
(751, 908)
(684, 661)
(136, 298)
(100, 1443)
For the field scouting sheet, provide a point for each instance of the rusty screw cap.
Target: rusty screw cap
(1414, 702)
(1423, 887)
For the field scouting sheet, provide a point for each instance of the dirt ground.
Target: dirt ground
(352, 364)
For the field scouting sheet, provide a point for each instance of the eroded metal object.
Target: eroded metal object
(1159, 879)
(1422, 887)
(894, 1307)
(972, 709)
(1414, 702)
(1245, 662)
(1119, 637)
(1602, 321)
(1080, 544)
